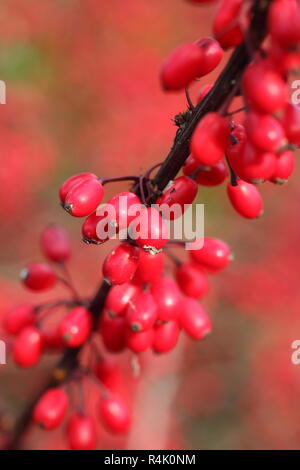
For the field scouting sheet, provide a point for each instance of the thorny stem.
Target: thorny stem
(176, 158)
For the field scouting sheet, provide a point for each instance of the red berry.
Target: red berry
(284, 167)
(181, 67)
(264, 88)
(283, 22)
(75, 327)
(119, 297)
(123, 209)
(55, 244)
(150, 266)
(84, 197)
(167, 297)
(108, 372)
(92, 228)
(165, 336)
(52, 339)
(210, 139)
(212, 175)
(227, 28)
(113, 332)
(190, 166)
(291, 123)
(141, 313)
(139, 341)
(28, 347)
(264, 132)
(251, 164)
(194, 320)
(115, 415)
(213, 256)
(149, 230)
(120, 265)
(18, 318)
(72, 181)
(245, 199)
(212, 55)
(192, 280)
(81, 432)
(172, 203)
(51, 408)
(38, 276)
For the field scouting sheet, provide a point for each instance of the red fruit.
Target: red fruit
(172, 203)
(55, 244)
(213, 256)
(227, 26)
(141, 313)
(192, 280)
(167, 297)
(194, 320)
(283, 60)
(181, 67)
(264, 132)
(38, 276)
(210, 139)
(119, 297)
(93, 226)
(291, 123)
(72, 181)
(252, 165)
(264, 88)
(150, 267)
(125, 207)
(203, 92)
(28, 347)
(51, 408)
(284, 167)
(212, 175)
(115, 415)
(108, 373)
(190, 166)
(75, 327)
(212, 55)
(120, 265)
(81, 432)
(113, 332)
(283, 22)
(84, 197)
(149, 230)
(140, 341)
(52, 339)
(245, 199)
(18, 318)
(166, 336)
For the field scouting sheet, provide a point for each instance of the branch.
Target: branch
(222, 91)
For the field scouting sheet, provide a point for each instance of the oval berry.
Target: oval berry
(213, 256)
(283, 22)
(245, 199)
(150, 266)
(149, 230)
(18, 318)
(28, 347)
(139, 341)
(51, 408)
(55, 244)
(121, 264)
(226, 27)
(112, 331)
(84, 197)
(92, 228)
(191, 280)
(119, 297)
(177, 198)
(72, 181)
(166, 336)
(125, 207)
(75, 327)
(81, 432)
(212, 55)
(210, 139)
(167, 297)
(141, 313)
(264, 132)
(194, 321)
(212, 175)
(285, 164)
(291, 123)
(115, 415)
(38, 276)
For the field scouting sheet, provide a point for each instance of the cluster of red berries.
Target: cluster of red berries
(259, 148)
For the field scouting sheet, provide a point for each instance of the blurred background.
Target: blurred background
(83, 95)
